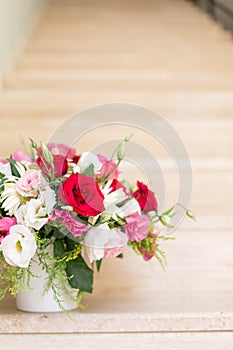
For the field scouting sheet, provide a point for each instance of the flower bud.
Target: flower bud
(46, 153)
(128, 138)
(189, 213)
(121, 151)
(165, 219)
(33, 144)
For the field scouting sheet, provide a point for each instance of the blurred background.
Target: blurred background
(173, 56)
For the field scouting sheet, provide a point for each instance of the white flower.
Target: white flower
(21, 167)
(86, 159)
(36, 212)
(19, 246)
(33, 214)
(112, 199)
(129, 208)
(10, 198)
(101, 241)
(114, 208)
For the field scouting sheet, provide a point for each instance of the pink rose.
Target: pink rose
(5, 225)
(137, 227)
(20, 156)
(107, 168)
(77, 228)
(28, 184)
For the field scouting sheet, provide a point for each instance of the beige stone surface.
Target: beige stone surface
(154, 341)
(168, 56)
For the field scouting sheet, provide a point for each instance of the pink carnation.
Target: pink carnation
(137, 227)
(107, 168)
(5, 225)
(28, 184)
(77, 228)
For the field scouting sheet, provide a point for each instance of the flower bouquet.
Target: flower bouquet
(68, 212)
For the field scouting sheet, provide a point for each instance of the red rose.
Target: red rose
(83, 194)
(145, 197)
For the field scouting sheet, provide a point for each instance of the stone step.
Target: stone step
(151, 80)
(216, 143)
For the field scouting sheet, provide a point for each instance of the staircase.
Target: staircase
(170, 57)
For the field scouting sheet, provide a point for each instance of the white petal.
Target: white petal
(88, 158)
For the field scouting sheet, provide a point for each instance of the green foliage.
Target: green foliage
(80, 275)
(58, 248)
(11, 278)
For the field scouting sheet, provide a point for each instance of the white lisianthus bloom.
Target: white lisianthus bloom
(36, 212)
(19, 246)
(86, 159)
(129, 208)
(114, 208)
(113, 198)
(101, 241)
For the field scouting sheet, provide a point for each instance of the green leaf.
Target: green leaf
(98, 264)
(70, 244)
(13, 167)
(80, 275)
(120, 256)
(169, 210)
(89, 171)
(58, 247)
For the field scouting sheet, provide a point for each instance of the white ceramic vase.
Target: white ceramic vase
(34, 299)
